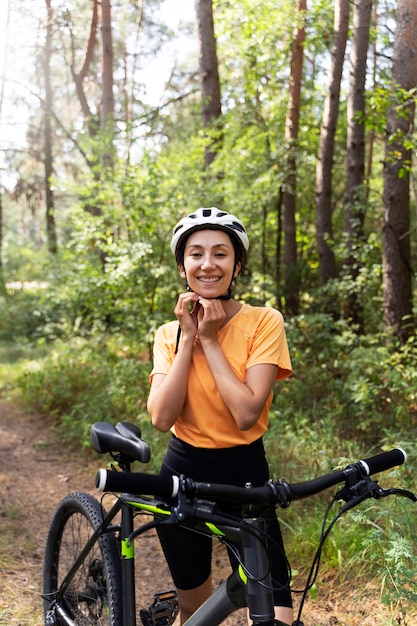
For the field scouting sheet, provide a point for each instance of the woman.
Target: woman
(211, 385)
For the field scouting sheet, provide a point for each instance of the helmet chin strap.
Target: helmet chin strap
(227, 296)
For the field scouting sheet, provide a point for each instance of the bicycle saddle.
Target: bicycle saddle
(124, 439)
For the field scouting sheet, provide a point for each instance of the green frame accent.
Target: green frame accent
(215, 530)
(127, 549)
(151, 508)
(242, 575)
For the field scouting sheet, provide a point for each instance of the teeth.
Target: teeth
(208, 280)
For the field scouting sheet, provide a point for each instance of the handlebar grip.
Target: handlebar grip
(372, 465)
(137, 483)
(384, 461)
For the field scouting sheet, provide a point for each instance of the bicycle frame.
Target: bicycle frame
(191, 505)
(241, 589)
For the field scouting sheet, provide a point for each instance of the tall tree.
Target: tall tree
(100, 119)
(372, 132)
(397, 270)
(355, 196)
(324, 167)
(2, 87)
(292, 123)
(80, 77)
(48, 157)
(208, 71)
(107, 106)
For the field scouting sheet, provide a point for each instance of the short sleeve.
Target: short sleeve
(269, 343)
(163, 349)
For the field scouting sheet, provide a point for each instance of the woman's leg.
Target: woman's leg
(190, 599)
(285, 614)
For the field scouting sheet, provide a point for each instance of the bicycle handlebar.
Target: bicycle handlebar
(279, 492)
(372, 465)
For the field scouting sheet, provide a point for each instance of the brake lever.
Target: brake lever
(398, 492)
(359, 490)
(355, 493)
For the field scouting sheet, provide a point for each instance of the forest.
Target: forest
(118, 118)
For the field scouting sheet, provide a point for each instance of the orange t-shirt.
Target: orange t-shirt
(255, 335)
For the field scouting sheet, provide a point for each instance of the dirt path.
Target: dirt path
(35, 474)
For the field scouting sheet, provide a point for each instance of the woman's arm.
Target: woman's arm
(168, 391)
(244, 399)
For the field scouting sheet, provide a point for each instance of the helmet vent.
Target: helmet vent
(209, 217)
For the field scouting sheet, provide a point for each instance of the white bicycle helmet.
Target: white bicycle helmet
(209, 217)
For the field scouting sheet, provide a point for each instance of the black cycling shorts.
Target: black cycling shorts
(189, 554)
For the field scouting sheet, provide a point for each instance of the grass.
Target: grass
(7, 537)
(17, 358)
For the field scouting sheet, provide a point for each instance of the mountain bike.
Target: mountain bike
(89, 564)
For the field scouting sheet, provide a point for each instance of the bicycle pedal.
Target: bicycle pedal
(163, 610)
(51, 618)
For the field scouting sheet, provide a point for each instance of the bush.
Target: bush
(82, 384)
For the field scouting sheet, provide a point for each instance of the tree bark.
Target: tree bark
(397, 270)
(48, 157)
(78, 77)
(355, 192)
(107, 107)
(291, 272)
(324, 169)
(2, 86)
(208, 71)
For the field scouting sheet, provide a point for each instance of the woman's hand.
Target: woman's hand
(211, 316)
(188, 319)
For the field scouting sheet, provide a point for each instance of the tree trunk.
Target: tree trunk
(209, 72)
(397, 271)
(48, 158)
(324, 167)
(79, 77)
(107, 107)
(355, 196)
(2, 86)
(372, 132)
(291, 272)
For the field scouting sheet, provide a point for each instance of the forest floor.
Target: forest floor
(36, 472)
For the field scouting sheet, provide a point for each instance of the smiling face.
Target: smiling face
(209, 263)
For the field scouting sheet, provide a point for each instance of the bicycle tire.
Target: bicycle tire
(94, 595)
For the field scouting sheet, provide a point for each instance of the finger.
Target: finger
(213, 308)
(196, 308)
(185, 299)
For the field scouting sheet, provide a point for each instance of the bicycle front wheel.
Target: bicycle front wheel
(94, 593)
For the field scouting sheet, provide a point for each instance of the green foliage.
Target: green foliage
(15, 358)
(365, 384)
(82, 383)
(350, 397)
(85, 382)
